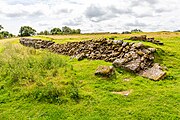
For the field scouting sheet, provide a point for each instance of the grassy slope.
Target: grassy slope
(36, 84)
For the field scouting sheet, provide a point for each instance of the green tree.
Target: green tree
(136, 30)
(1, 27)
(73, 31)
(5, 34)
(66, 30)
(55, 31)
(26, 31)
(78, 31)
(126, 32)
(45, 32)
(40, 33)
(177, 31)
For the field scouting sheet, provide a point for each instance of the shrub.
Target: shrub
(48, 93)
(30, 68)
(17, 67)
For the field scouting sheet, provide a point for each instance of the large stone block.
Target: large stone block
(154, 73)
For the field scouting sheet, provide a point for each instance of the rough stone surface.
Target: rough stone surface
(154, 73)
(106, 71)
(131, 56)
(36, 43)
(144, 38)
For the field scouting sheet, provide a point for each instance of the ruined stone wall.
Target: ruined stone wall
(144, 38)
(131, 56)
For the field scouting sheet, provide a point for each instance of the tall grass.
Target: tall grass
(21, 66)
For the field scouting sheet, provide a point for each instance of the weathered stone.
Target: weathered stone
(137, 45)
(154, 73)
(133, 65)
(151, 57)
(125, 93)
(80, 56)
(119, 62)
(142, 65)
(133, 54)
(146, 51)
(120, 42)
(115, 54)
(140, 53)
(106, 71)
(131, 43)
(152, 49)
(124, 44)
(143, 38)
(128, 55)
(127, 79)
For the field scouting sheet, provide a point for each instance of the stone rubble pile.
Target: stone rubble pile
(36, 43)
(131, 56)
(144, 38)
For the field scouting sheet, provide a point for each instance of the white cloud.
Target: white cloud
(91, 15)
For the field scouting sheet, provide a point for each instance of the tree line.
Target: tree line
(132, 31)
(57, 31)
(29, 31)
(5, 34)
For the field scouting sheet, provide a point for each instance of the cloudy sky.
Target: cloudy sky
(91, 15)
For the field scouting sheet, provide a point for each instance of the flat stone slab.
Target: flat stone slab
(154, 73)
(125, 93)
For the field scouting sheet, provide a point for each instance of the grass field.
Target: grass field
(37, 84)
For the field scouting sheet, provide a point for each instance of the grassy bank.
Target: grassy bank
(37, 84)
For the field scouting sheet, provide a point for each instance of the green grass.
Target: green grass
(37, 84)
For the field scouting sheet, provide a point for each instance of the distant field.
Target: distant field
(69, 38)
(37, 84)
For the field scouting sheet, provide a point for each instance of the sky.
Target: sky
(91, 15)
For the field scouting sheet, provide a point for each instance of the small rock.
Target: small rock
(140, 53)
(125, 44)
(138, 45)
(106, 71)
(125, 93)
(133, 65)
(118, 42)
(80, 56)
(152, 49)
(119, 62)
(127, 79)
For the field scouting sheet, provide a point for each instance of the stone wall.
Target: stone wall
(35, 43)
(144, 38)
(131, 56)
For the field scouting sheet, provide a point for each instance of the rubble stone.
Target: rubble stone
(154, 73)
(144, 38)
(105, 71)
